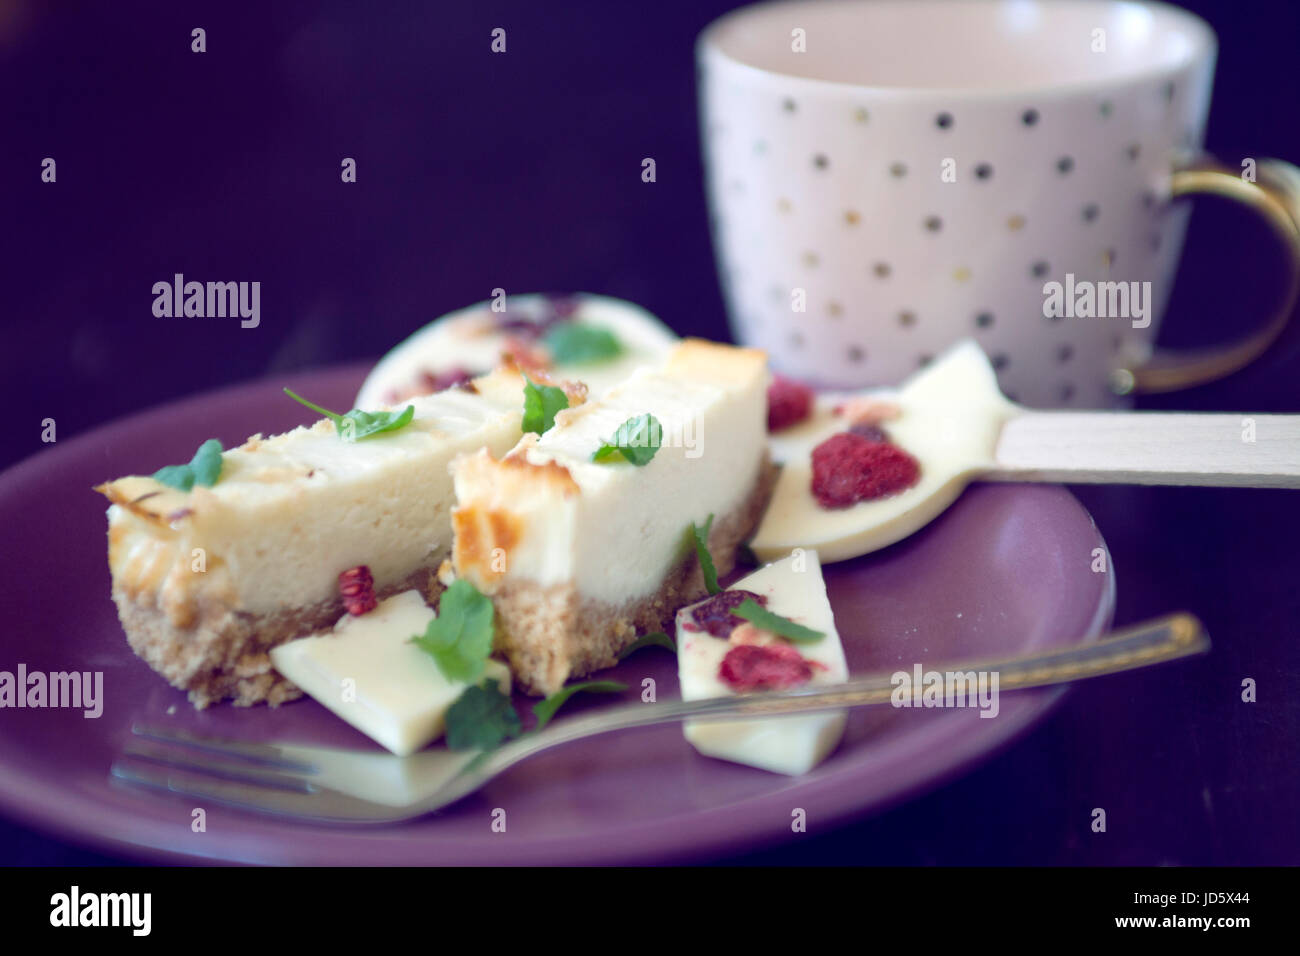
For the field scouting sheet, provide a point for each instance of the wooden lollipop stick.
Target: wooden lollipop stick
(1150, 448)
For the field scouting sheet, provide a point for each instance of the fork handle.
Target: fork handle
(1152, 642)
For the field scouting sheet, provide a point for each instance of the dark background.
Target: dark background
(523, 171)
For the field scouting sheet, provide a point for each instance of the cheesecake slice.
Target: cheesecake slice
(720, 654)
(207, 581)
(581, 556)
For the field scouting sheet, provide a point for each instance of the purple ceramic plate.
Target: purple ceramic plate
(1006, 569)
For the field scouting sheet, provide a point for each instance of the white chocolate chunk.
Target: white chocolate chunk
(368, 672)
(471, 339)
(794, 745)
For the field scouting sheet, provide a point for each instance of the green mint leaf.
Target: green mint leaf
(180, 477)
(657, 639)
(577, 343)
(204, 469)
(544, 710)
(460, 637)
(759, 616)
(206, 463)
(357, 424)
(701, 538)
(637, 440)
(335, 417)
(481, 718)
(541, 402)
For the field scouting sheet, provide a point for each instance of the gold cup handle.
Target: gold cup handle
(1275, 195)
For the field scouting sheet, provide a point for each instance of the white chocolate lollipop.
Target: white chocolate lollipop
(953, 419)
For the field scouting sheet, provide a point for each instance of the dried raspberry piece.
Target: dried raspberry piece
(869, 431)
(520, 327)
(763, 667)
(788, 403)
(527, 327)
(714, 615)
(357, 588)
(849, 468)
(426, 383)
(563, 307)
(448, 378)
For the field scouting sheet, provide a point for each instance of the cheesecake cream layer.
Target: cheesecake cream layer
(579, 556)
(207, 581)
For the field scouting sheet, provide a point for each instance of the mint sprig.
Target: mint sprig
(356, 424)
(761, 617)
(577, 343)
(544, 710)
(204, 469)
(637, 440)
(700, 536)
(481, 718)
(541, 403)
(657, 639)
(460, 637)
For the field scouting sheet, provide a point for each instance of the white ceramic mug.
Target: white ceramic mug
(889, 176)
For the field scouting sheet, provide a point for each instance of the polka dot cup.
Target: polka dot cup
(889, 177)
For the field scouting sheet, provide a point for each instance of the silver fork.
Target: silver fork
(354, 787)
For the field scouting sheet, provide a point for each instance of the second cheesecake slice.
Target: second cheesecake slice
(580, 556)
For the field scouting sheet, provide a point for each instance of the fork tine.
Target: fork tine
(268, 754)
(212, 762)
(310, 803)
